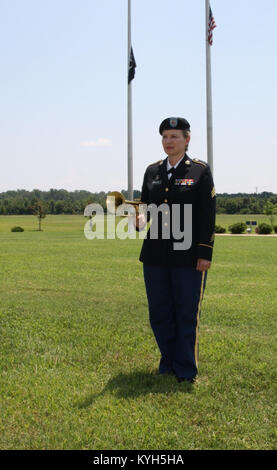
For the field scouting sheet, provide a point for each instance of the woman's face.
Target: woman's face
(174, 142)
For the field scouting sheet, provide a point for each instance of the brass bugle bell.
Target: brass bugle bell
(116, 199)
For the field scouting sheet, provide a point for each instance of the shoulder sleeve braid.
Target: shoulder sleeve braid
(206, 216)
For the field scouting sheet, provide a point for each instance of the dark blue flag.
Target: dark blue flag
(132, 66)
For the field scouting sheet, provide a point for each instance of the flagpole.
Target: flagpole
(130, 123)
(209, 93)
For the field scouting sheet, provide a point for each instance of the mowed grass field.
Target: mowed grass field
(79, 361)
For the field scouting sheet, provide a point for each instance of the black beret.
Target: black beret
(174, 123)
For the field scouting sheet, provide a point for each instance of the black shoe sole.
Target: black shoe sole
(183, 379)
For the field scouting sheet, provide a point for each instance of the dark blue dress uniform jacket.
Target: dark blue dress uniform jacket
(199, 192)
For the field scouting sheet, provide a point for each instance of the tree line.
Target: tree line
(241, 203)
(61, 201)
(54, 201)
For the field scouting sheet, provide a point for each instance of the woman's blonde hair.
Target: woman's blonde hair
(186, 134)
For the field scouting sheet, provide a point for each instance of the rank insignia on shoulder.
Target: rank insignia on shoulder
(159, 162)
(200, 162)
(213, 192)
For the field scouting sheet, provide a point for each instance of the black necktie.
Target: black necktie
(172, 171)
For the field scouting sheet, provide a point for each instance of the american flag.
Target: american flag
(211, 26)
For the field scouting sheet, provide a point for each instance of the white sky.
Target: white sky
(63, 90)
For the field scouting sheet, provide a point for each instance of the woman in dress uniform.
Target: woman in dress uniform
(175, 277)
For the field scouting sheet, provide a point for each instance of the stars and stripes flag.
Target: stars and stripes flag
(132, 66)
(211, 26)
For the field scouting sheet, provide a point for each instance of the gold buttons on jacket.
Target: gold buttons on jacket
(165, 200)
(166, 189)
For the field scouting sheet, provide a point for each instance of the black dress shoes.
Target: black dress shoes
(183, 379)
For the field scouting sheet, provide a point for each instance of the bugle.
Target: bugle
(116, 199)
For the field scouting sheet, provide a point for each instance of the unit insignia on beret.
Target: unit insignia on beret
(173, 122)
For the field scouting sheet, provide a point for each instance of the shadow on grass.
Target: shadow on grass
(137, 383)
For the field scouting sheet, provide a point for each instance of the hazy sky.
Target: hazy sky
(63, 90)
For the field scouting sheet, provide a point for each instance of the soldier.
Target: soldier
(175, 278)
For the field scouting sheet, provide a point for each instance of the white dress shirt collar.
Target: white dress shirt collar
(175, 166)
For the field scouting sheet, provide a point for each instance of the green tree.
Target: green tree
(231, 206)
(270, 209)
(59, 207)
(40, 211)
(52, 207)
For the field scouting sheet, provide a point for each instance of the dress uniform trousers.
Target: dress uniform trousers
(174, 298)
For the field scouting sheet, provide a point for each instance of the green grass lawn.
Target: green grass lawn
(79, 362)
(75, 223)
